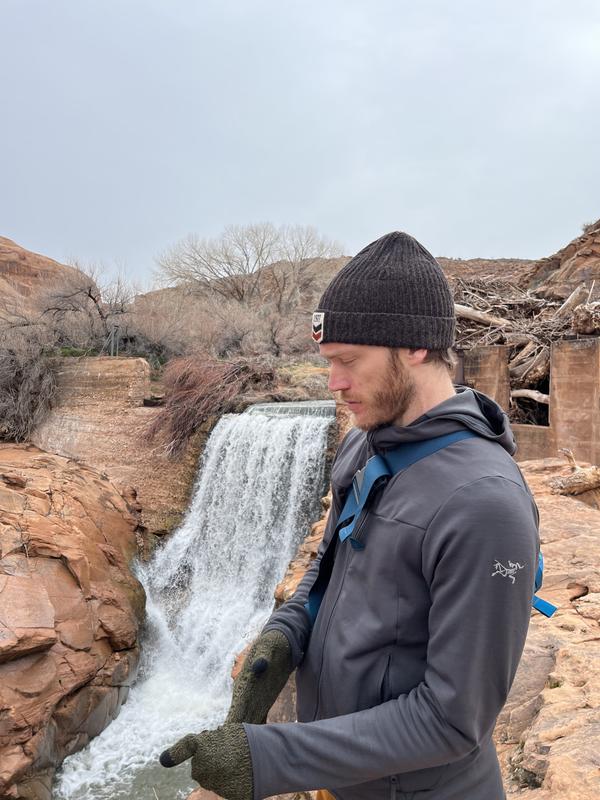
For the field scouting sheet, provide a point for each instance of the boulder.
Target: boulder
(69, 613)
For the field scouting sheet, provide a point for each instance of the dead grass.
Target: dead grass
(198, 388)
(27, 386)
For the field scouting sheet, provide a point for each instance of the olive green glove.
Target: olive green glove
(266, 669)
(221, 761)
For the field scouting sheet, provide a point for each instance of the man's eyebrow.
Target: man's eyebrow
(338, 354)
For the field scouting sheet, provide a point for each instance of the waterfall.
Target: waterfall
(315, 408)
(209, 591)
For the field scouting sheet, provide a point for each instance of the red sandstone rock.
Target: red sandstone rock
(549, 730)
(23, 274)
(69, 611)
(579, 262)
(28, 620)
(202, 794)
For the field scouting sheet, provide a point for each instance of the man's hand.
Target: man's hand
(266, 669)
(221, 761)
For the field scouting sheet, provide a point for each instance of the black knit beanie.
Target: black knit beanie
(393, 294)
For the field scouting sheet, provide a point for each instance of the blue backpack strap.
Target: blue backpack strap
(380, 468)
(407, 454)
(365, 483)
(543, 606)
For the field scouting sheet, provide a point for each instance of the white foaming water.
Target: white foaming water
(209, 591)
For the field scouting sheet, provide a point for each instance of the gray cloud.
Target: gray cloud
(128, 124)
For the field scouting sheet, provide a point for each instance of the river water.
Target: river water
(209, 591)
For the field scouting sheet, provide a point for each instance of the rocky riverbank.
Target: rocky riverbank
(69, 613)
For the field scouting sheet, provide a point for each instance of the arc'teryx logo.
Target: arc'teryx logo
(507, 572)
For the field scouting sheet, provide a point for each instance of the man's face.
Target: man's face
(372, 381)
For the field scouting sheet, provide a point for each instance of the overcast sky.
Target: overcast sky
(127, 124)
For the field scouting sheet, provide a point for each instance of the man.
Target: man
(406, 632)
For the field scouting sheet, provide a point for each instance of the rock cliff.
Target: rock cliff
(69, 613)
(579, 262)
(24, 274)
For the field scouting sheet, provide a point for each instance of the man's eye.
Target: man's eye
(348, 361)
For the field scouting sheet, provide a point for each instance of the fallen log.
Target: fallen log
(586, 319)
(466, 312)
(516, 339)
(523, 355)
(568, 454)
(531, 394)
(522, 360)
(534, 369)
(538, 368)
(582, 480)
(572, 301)
(529, 368)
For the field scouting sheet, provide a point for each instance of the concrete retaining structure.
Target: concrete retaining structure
(574, 411)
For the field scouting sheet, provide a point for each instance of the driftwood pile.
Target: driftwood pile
(496, 312)
(580, 481)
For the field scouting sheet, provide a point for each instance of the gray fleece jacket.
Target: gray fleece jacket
(419, 634)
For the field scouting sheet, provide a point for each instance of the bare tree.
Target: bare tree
(291, 279)
(248, 263)
(228, 265)
(83, 308)
(77, 310)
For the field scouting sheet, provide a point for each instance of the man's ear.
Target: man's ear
(416, 357)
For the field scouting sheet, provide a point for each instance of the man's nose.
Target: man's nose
(338, 381)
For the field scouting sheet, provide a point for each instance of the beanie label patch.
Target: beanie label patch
(318, 326)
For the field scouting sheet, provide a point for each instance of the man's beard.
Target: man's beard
(391, 401)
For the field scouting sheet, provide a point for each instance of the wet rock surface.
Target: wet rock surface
(69, 613)
(549, 731)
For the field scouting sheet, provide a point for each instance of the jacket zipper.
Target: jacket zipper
(394, 787)
(347, 555)
(360, 525)
(355, 535)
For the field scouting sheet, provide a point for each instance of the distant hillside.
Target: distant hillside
(578, 262)
(24, 274)
(512, 270)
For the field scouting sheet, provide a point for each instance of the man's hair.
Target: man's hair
(444, 358)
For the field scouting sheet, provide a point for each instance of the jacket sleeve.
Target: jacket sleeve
(291, 618)
(477, 627)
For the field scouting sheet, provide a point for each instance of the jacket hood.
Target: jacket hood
(466, 409)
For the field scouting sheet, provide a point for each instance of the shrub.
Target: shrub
(27, 385)
(200, 387)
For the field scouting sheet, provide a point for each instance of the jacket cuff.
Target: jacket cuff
(296, 650)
